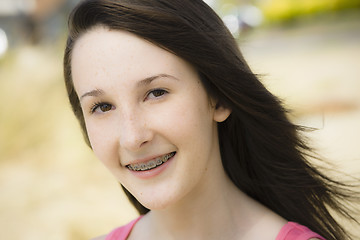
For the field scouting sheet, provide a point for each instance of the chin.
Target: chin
(155, 204)
(155, 201)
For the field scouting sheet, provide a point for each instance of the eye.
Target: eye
(101, 107)
(156, 93)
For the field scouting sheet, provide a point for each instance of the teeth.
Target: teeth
(151, 164)
(143, 167)
(158, 161)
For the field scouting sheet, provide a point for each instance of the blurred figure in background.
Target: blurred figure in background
(33, 21)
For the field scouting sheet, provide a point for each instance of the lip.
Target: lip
(151, 172)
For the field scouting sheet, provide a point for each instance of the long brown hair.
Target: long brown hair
(261, 150)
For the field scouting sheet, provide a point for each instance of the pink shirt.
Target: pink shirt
(290, 231)
(295, 231)
(121, 233)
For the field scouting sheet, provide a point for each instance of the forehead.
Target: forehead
(102, 44)
(119, 54)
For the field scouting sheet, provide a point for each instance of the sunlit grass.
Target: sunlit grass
(28, 95)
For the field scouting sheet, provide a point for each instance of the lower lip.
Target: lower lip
(153, 172)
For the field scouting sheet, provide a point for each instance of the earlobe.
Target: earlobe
(221, 113)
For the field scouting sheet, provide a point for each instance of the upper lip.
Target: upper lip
(146, 159)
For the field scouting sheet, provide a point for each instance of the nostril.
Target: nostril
(145, 142)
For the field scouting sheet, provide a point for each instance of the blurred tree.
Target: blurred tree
(285, 10)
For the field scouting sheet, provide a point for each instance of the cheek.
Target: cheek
(102, 143)
(175, 118)
(185, 121)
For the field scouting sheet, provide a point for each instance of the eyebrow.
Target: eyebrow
(93, 93)
(148, 80)
(143, 82)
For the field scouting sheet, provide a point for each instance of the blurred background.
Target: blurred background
(52, 187)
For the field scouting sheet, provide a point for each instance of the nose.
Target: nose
(134, 131)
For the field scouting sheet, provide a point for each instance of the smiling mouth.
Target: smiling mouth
(151, 164)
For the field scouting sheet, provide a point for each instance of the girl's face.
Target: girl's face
(148, 117)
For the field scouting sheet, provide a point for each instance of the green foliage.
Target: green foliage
(284, 10)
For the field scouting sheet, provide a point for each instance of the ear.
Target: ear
(221, 113)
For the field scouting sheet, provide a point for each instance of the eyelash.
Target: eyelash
(97, 105)
(162, 91)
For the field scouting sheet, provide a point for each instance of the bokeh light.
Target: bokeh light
(3, 43)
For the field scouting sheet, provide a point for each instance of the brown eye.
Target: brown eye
(105, 107)
(101, 107)
(156, 93)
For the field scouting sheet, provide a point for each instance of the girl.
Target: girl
(200, 147)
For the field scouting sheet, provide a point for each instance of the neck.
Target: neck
(198, 217)
(218, 210)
